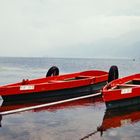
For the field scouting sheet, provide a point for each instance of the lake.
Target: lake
(84, 119)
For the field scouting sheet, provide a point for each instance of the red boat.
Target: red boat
(55, 87)
(122, 92)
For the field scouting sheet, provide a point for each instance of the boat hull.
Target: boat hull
(56, 95)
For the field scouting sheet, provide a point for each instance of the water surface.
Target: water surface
(71, 121)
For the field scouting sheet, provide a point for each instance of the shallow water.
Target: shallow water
(71, 121)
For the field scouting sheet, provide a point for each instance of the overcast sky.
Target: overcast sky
(70, 28)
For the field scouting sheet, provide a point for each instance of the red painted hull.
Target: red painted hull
(121, 91)
(51, 86)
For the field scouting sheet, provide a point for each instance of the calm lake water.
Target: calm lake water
(70, 121)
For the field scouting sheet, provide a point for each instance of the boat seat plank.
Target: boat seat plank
(123, 86)
(77, 78)
(55, 81)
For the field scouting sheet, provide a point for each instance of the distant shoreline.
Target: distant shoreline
(35, 57)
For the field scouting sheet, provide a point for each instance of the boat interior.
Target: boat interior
(77, 78)
(69, 79)
(134, 82)
(128, 84)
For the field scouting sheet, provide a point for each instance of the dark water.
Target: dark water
(70, 121)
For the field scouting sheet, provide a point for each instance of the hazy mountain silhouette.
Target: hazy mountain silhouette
(126, 45)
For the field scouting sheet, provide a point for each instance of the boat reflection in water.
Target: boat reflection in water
(117, 118)
(121, 117)
(8, 108)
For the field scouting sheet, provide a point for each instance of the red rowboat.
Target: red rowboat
(55, 87)
(122, 92)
